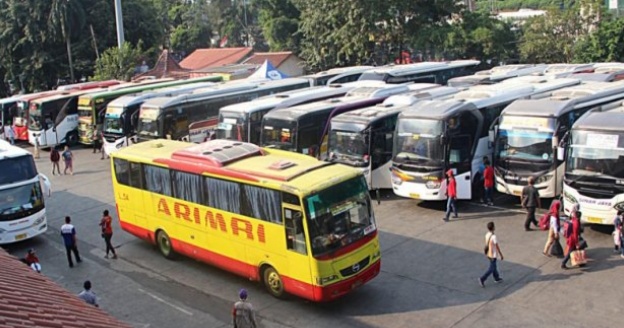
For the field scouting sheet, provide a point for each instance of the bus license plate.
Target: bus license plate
(356, 284)
(517, 192)
(20, 236)
(413, 195)
(594, 220)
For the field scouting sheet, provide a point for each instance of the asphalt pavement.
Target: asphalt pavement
(428, 279)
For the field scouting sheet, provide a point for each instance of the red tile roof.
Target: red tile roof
(212, 57)
(276, 58)
(30, 299)
(165, 66)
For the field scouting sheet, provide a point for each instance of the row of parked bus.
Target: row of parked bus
(296, 214)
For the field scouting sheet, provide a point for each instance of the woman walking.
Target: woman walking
(68, 158)
(107, 233)
(553, 230)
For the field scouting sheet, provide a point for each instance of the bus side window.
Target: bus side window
(157, 179)
(136, 175)
(295, 238)
(122, 171)
(459, 153)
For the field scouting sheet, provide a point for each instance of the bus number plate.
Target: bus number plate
(414, 195)
(356, 284)
(20, 236)
(594, 220)
(517, 192)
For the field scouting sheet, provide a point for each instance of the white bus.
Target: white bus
(22, 208)
(193, 116)
(122, 114)
(594, 170)
(363, 138)
(337, 75)
(243, 121)
(425, 72)
(566, 70)
(437, 135)
(496, 74)
(529, 130)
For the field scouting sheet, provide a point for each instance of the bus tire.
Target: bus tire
(164, 245)
(71, 139)
(273, 282)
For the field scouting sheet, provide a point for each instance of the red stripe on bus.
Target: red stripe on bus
(291, 285)
(198, 168)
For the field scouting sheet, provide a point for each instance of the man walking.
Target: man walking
(451, 194)
(88, 295)
(69, 238)
(530, 199)
(492, 251)
(243, 315)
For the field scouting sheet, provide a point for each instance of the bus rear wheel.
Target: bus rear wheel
(273, 282)
(164, 245)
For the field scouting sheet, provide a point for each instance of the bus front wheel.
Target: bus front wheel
(71, 138)
(164, 245)
(273, 282)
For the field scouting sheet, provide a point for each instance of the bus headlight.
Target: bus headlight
(543, 178)
(433, 184)
(323, 280)
(396, 179)
(619, 206)
(570, 199)
(39, 221)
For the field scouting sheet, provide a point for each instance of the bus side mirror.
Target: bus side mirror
(492, 135)
(560, 153)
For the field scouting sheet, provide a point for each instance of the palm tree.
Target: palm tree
(67, 18)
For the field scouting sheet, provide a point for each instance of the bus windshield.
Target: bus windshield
(348, 146)
(20, 201)
(17, 169)
(148, 122)
(525, 145)
(281, 134)
(232, 127)
(594, 154)
(113, 124)
(35, 121)
(339, 215)
(418, 142)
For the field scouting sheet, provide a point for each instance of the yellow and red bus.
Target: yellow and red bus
(299, 225)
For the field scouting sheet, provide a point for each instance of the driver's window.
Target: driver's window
(295, 237)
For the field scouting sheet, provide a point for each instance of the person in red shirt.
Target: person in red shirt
(451, 194)
(32, 260)
(107, 233)
(573, 238)
(488, 182)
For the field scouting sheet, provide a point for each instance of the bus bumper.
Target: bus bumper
(11, 236)
(595, 211)
(111, 147)
(336, 290)
(546, 189)
(417, 191)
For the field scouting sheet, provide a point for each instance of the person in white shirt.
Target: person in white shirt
(492, 251)
(88, 295)
(553, 230)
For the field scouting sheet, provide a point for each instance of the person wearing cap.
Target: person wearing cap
(451, 194)
(243, 315)
(88, 295)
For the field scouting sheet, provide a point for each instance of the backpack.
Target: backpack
(54, 155)
(544, 221)
(567, 229)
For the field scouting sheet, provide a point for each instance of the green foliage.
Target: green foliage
(604, 45)
(279, 21)
(193, 29)
(118, 64)
(551, 38)
(513, 5)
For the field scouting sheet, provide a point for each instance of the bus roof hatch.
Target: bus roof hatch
(218, 153)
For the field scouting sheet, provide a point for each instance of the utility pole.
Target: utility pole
(119, 18)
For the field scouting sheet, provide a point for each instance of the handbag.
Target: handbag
(578, 258)
(582, 243)
(486, 249)
(556, 249)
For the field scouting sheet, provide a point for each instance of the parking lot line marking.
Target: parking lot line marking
(163, 301)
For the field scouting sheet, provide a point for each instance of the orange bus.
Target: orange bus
(299, 225)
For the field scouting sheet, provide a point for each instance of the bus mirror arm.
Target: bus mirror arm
(378, 195)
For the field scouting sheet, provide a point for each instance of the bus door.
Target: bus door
(48, 132)
(380, 153)
(297, 257)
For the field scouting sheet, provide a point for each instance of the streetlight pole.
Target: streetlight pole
(119, 19)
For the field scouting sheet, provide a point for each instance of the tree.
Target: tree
(193, 29)
(118, 64)
(606, 44)
(279, 21)
(551, 38)
(66, 19)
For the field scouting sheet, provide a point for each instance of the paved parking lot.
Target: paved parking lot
(428, 279)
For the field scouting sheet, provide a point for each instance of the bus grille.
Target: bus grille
(596, 193)
(355, 268)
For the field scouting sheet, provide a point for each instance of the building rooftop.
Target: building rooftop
(29, 299)
(275, 58)
(213, 57)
